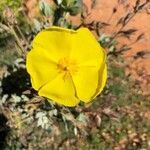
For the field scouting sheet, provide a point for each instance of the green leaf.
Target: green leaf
(59, 2)
(46, 9)
(37, 25)
(74, 11)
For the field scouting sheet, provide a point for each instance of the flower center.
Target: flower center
(67, 67)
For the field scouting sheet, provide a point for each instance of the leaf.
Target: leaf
(83, 118)
(75, 131)
(120, 21)
(139, 37)
(98, 120)
(74, 11)
(94, 2)
(37, 25)
(125, 47)
(59, 2)
(141, 6)
(142, 54)
(126, 18)
(112, 48)
(127, 33)
(65, 2)
(45, 8)
(74, 7)
(137, 5)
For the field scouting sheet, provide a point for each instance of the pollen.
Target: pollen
(67, 67)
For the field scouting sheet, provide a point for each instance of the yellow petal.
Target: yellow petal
(57, 28)
(61, 91)
(86, 82)
(86, 49)
(56, 41)
(102, 80)
(40, 67)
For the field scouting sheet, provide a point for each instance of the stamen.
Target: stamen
(67, 66)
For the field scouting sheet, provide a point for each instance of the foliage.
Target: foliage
(9, 3)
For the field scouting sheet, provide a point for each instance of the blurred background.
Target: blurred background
(118, 119)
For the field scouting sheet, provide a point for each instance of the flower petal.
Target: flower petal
(61, 91)
(40, 67)
(86, 48)
(56, 41)
(102, 80)
(86, 82)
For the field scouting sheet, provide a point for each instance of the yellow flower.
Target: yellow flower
(67, 66)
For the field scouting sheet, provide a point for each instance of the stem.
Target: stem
(23, 52)
(21, 34)
(123, 26)
(4, 27)
(134, 13)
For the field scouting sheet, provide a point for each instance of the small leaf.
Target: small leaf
(75, 131)
(98, 120)
(139, 37)
(137, 5)
(126, 18)
(112, 49)
(74, 7)
(125, 47)
(59, 2)
(37, 25)
(94, 2)
(45, 8)
(127, 33)
(74, 11)
(83, 118)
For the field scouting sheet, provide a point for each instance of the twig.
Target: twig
(133, 14)
(23, 52)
